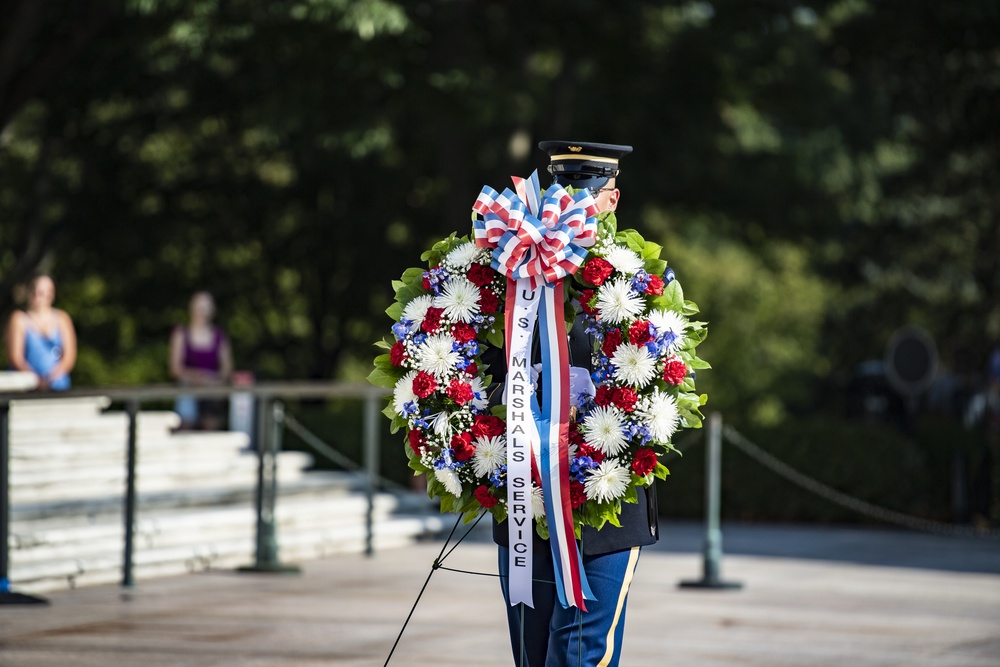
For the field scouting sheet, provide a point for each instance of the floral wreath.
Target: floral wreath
(643, 390)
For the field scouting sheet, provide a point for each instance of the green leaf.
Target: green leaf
(395, 311)
(382, 378)
(697, 363)
(495, 337)
(655, 267)
(499, 411)
(652, 250)
(661, 471)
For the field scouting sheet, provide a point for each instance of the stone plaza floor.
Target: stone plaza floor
(811, 597)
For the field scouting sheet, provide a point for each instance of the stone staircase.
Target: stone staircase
(195, 499)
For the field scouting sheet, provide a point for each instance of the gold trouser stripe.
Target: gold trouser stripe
(578, 156)
(633, 558)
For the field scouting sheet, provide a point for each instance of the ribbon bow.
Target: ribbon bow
(542, 241)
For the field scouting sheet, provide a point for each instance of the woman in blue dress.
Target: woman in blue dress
(41, 339)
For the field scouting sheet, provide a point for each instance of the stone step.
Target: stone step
(90, 509)
(224, 539)
(32, 542)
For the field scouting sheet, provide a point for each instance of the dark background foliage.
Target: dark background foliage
(820, 172)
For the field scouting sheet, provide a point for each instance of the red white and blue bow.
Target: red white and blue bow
(538, 239)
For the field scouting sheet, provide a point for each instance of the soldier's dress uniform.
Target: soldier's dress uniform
(554, 636)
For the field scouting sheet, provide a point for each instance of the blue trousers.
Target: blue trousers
(557, 637)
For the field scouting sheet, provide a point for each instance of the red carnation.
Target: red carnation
(398, 353)
(417, 441)
(488, 426)
(425, 283)
(586, 296)
(674, 371)
(577, 494)
(624, 398)
(655, 285)
(638, 333)
(604, 396)
(612, 340)
(472, 368)
(485, 498)
(460, 392)
(644, 462)
(462, 445)
(596, 455)
(424, 384)
(432, 320)
(597, 270)
(480, 275)
(488, 301)
(463, 332)
(575, 437)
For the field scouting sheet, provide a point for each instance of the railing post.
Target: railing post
(132, 410)
(371, 467)
(712, 549)
(6, 595)
(270, 424)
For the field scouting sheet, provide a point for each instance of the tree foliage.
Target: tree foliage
(827, 170)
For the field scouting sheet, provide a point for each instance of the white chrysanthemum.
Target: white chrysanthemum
(634, 365)
(616, 301)
(537, 502)
(416, 310)
(462, 256)
(436, 356)
(459, 299)
(607, 481)
(479, 390)
(624, 260)
(449, 478)
(403, 392)
(668, 320)
(604, 430)
(440, 423)
(491, 453)
(659, 412)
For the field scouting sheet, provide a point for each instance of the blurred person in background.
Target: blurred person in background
(200, 356)
(41, 339)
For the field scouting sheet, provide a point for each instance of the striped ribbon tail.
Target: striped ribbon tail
(571, 580)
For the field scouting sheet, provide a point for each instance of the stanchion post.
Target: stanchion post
(371, 467)
(270, 424)
(712, 549)
(6, 595)
(132, 410)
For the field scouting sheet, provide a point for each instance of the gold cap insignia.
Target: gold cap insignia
(575, 149)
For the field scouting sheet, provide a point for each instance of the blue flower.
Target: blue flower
(420, 339)
(640, 281)
(668, 276)
(410, 409)
(498, 477)
(579, 467)
(401, 328)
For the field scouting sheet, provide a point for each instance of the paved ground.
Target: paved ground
(812, 597)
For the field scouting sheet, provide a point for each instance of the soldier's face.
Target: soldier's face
(607, 197)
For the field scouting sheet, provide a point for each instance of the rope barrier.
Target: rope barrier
(845, 500)
(321, 447)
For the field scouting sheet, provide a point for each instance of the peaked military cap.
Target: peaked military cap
(583, 164)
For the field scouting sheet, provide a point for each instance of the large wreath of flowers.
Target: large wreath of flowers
(643, 390)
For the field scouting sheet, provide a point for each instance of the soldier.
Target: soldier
(549, 635)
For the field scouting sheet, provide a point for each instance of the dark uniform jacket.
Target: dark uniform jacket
(639, 520)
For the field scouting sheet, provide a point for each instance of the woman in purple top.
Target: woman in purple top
(200, 356)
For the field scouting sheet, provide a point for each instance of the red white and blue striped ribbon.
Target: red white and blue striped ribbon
(538, 239)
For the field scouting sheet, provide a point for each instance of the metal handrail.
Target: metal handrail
(268, 435)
